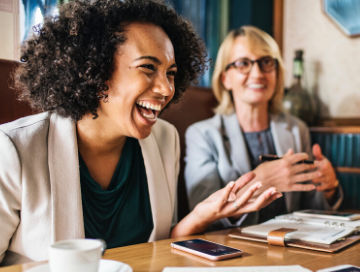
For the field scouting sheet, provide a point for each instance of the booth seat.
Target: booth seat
(10, 108)
(197, 104)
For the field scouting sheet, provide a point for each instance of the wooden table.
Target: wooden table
(157, 255)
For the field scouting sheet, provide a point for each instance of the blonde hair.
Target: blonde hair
(256, 39)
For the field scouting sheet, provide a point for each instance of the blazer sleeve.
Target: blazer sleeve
(201, 172)
(10, 191)
(174, 220)
(315, 199)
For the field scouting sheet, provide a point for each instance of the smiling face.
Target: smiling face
(255, 88)
(142, 82)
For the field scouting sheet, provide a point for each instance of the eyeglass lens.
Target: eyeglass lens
(266, 64)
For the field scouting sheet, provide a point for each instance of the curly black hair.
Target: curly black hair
(71, 56)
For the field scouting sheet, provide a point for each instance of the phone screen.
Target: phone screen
(207, 247)
(348, 269)
(341, 268)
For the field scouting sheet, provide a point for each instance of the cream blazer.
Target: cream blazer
(40, 197)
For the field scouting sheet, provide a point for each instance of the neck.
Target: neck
(252, 118)
(96, 138)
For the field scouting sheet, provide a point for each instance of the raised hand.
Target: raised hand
(224, 203)
(327, 181)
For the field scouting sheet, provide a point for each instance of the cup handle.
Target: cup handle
(104, 246)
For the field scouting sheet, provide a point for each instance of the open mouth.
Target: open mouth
(256, 86)
(148, 110)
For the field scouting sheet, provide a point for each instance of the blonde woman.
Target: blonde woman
(248, 84)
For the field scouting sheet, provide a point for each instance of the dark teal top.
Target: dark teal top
(259, 143)
(120, 215)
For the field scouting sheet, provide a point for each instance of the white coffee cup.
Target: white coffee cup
(77, 255)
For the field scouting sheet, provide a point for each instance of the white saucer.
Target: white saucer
(104, 266)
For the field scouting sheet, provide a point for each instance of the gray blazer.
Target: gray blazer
(216, 154)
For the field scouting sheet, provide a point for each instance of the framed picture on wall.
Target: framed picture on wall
(345, 14)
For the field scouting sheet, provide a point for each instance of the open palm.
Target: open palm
(224, 202)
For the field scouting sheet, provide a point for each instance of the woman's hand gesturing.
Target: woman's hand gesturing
(224, 203)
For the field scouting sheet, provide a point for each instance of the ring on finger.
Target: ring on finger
(236, 206)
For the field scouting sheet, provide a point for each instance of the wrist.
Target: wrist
(189, 225)
(200, 218)
(333, 188)
(331, 193)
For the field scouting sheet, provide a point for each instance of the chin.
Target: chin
(141, 134)
(258, 100)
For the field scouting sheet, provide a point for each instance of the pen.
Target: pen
(274, 157)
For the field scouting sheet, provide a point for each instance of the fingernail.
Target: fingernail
(259, 185)
(274, 192)
(231, 184)
(279, 195)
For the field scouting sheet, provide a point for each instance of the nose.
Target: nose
(256, 71)
(163, 86)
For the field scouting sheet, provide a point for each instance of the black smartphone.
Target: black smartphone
(207, 249)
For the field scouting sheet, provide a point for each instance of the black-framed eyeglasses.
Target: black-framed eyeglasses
(244, 65)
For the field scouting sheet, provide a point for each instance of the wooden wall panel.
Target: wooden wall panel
(278, 22)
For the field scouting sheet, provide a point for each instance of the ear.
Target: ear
(225, 79)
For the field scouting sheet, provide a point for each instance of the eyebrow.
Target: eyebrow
(155, 59)
(267, 56)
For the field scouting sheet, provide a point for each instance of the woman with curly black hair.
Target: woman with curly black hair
(97, 163)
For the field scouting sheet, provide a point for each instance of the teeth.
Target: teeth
(149, 116)
(256, 86)
(149, 106)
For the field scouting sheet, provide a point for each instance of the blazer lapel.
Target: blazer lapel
(67, 214)
(161, 204)
(237, 149)
(283, 140)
